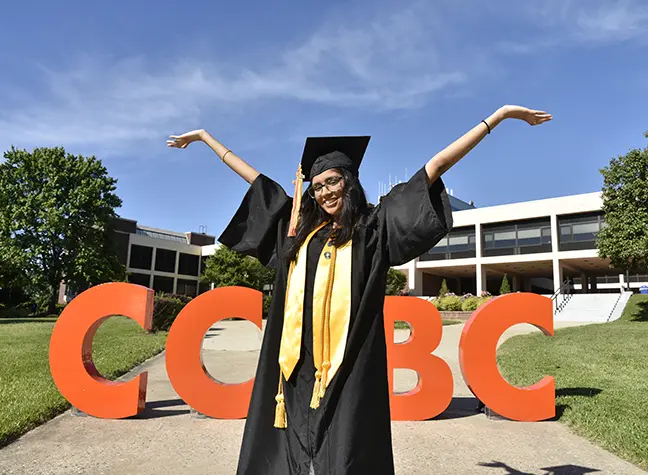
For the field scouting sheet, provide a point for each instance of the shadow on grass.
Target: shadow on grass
(582, 392)
(557, 470)
(560, 408)
(586, 392)
(642, 315)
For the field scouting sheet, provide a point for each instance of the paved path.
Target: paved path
(168, 440)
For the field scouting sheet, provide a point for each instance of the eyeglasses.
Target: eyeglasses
(332, 184)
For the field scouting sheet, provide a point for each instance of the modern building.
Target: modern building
(542, 246)
(165, 261)
(539, 245)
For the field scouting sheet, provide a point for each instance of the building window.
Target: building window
(140, 279)
(458, 244)
(524, 237)
(607, 279)
(579, 231)
(187, 287)
(188, 264)
(141, 257)
(163, 284)
(165, 260)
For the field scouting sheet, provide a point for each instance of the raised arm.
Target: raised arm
(454, 152)
(228, 157)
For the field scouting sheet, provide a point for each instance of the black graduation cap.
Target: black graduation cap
(324, 153)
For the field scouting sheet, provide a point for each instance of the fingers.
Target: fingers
(539, 117)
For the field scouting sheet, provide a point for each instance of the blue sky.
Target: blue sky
(115, 79)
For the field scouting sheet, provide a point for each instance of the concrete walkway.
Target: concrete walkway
(167, 439)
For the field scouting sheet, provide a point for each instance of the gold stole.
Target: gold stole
(331, 318)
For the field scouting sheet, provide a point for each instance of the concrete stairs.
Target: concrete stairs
(593, 308)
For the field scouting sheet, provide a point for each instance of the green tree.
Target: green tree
(624, 238)
(12, 283)
(226, 268)
(55, 215)
(444, 288)
(505, 288)
(396, 282)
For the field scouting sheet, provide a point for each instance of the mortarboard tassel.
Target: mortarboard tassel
(294, 215)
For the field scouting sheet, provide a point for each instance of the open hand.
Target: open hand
(530, 116)
(182, 141)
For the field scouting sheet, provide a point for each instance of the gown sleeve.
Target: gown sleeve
(414, 216)
(259, 220)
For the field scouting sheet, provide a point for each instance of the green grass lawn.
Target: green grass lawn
(28, 395)
(601, 376)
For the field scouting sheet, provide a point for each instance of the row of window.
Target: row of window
(141, 257)
(524, 237)
(166, 284)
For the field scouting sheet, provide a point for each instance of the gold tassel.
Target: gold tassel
(294, 215)
(322, 389)
(281, 420)
(315, 399)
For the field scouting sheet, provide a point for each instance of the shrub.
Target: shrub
(471, 303)
(450, 303)
(25, 309)
(396, 282)
(185, 299)
(165, 309)
(444, 288)
(505, 288)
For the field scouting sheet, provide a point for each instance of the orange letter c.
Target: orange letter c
(477, 357)
(70, 354)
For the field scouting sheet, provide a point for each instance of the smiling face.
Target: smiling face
(328, 190)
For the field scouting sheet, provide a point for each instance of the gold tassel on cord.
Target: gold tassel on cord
(299, 190)
(281, 420)
(321, 377)
(325, 366)
(315, 399)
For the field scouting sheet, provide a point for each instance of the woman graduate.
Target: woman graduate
(320, 402)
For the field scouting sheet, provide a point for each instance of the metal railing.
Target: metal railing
(559, 298)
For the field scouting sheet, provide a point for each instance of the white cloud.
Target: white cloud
(390, 63)
(575, 23)
(620, 20)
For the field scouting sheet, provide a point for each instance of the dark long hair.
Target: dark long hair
(311, 214)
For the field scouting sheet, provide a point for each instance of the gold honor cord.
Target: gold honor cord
(331, 318)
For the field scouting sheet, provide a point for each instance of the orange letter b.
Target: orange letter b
(433, 392)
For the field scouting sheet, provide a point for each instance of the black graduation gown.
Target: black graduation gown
(350, 433)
